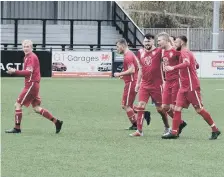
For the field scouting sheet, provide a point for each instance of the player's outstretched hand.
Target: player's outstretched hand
(117, 74)
(168, 68)
(11, 70)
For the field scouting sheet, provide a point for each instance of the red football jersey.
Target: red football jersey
(31, 63)
(171, 58)
(130, 60)
(188, 75)
(151, 66)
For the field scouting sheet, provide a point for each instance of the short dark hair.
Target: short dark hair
(122, 41)
(183, 38)
(149, 36)
(174, 38)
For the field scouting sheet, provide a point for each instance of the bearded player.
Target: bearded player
(30, 93)
(189, 92)
(149, 83)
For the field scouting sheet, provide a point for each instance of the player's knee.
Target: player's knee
(125, 107)
(17, 106)
(159, 109)
(198, 109)
(177, 108)
(172, 107)
(166, 108)
(141, 104)
(37, 109)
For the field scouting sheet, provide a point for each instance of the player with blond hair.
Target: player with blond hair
(30, 92)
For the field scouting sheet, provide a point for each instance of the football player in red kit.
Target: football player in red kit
(129, 75)
(189, 92)
(172, 80)
(30, 92)
(149, 83)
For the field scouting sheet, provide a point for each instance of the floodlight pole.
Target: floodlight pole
(215, 31)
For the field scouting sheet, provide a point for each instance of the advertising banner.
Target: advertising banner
(212, 65)
(81, 64)
(14, 59)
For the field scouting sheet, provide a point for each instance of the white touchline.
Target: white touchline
(220, 89)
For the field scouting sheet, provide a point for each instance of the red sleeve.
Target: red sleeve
(129, 60)
(185, 61)
(185, 64)
(22, 72)
(28, 68)
(30, 64)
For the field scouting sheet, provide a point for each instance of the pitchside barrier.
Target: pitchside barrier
(99, 63)
(14, 59)
(211, 64)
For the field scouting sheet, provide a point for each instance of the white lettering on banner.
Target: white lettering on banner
(11, 65)
(80, 64)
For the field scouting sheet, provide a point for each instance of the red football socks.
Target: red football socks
(207, 117)
(176, 122)
(18, 118)
(131, 116)
(140, 117)
(47, 115)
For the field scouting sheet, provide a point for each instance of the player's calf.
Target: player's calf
(168, 109)
(45, 113)
(131, 116)
(140, 115)
(164, 116)
(18, 119)
(207, 117)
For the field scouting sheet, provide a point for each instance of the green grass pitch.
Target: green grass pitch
(93, 142)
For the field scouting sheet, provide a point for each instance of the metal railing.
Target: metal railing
(131, 32)
(62, 47)
(71, 22)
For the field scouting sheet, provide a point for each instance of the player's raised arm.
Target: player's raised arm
(184, 55)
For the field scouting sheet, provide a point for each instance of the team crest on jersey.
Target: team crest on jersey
(171, 54)
(148, 60)
(165, 61)
(153, 53)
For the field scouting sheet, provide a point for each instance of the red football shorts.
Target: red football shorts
(170, 91)
(185, 98)
(129, 94)
(30, 95)
(145, 92)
